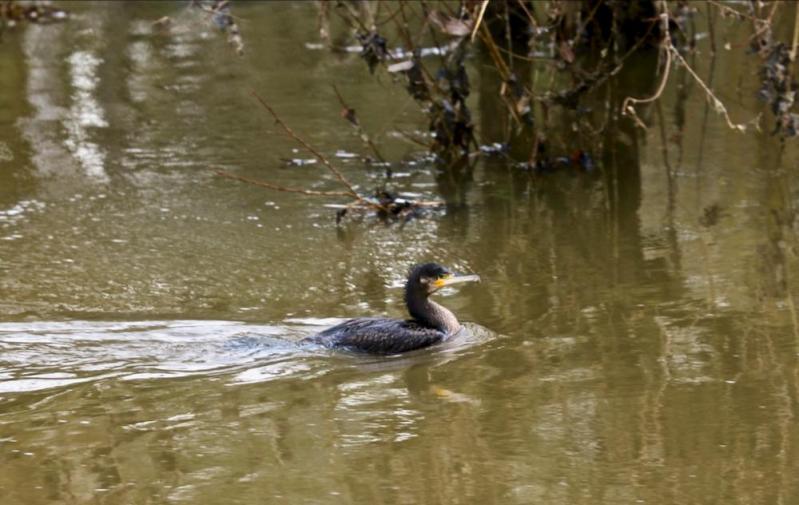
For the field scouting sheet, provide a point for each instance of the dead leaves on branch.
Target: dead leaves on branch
(224, 20)
(373, 49)
(441, 94)
(777, 83)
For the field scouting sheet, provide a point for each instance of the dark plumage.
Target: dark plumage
(430, 324)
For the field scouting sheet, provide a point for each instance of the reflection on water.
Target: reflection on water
(85, 113)
(634, 339)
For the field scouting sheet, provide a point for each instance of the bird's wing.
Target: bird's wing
(376, 335)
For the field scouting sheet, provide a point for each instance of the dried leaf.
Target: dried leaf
(457, 28)
(451, 26)
(566, 52)
(349, 115)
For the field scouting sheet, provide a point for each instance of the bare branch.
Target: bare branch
(795, 35)
(343, 180)
(627, 108)
(717, 104)
(479, 20)
(278, 187)
(350, 117)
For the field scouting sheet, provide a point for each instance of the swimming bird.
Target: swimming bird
(430, 323)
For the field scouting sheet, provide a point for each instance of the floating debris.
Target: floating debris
(221, 18)
(299, 162)
(386, 205)
(402, 66)
(544, 164)
(711, 215)
(494, 149)
(13, 13)
(373, 49)
(398, 53)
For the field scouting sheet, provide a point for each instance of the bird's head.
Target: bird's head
(430, 277)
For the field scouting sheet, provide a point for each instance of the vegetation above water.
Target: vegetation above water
(561, 82)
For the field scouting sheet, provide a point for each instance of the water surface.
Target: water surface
(630, 343)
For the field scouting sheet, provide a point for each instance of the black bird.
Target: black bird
(430, 324)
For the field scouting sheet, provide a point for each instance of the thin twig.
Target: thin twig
(627, 108)
(531, 59)
(795, 35)
(355, 124)
(352, 16)
(763, 25)
(672, 52)
(479, 19)
(717, 104)
(217, 10)
(502, 69)
(343, 180)
(278, 187)
(588, 19)
(415, 140)
(358, 200)
(530, 15)
(403, 28)
(488, 39)
(612, 72)
(711, 31)
(428, 17)
(389, 18)
(735, 12)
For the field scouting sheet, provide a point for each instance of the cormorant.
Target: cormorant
(430, 324)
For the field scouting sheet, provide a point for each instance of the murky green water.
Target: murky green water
(629, 344)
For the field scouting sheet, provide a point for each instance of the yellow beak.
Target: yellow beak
(454, 279)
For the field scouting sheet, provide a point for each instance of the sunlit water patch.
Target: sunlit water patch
(11, 217)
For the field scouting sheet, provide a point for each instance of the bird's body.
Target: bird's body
(380, 335)
(430, 324)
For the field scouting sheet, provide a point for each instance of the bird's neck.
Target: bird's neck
(431, 314)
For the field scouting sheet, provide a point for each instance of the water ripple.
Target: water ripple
(44, 355)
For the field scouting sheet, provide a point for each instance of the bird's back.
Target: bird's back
(379, 335)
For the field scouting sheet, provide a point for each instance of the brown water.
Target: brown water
(633, 342)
